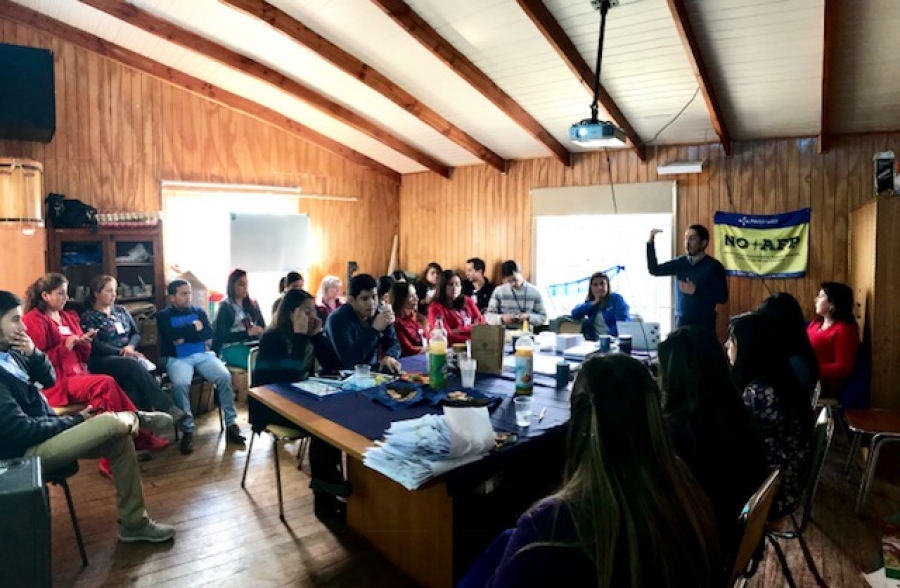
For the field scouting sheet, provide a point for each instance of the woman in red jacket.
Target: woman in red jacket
(58, 334)
(834, 336)
(458, 312)
(408, 324)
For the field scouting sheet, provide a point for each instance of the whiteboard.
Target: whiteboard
(269, 242)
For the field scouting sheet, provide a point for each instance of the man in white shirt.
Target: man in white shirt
(515, 300)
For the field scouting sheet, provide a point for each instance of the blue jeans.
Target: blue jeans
(181, 372)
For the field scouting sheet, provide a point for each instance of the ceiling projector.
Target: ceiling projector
(596, 134)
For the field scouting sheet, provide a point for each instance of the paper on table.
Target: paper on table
(471, 432)
(877, 579)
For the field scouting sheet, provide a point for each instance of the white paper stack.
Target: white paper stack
(416, 450)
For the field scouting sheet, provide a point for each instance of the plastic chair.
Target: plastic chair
(752, 522)
(822, 434)
(60, 478)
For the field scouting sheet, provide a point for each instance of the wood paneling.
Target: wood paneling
(21, 255)
(480, 212)
(120, 131)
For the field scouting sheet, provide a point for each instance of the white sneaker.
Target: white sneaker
(158, 423)
(152, 532)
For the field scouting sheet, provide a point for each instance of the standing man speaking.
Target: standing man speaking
(701, 278)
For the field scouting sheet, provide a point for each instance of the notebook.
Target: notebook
(644, 335)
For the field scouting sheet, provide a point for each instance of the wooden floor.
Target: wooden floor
(231, 537)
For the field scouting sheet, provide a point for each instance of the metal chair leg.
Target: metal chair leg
(302, 451)
(75, 526)
(854, 451)
(784, 566)
(247, 461)
(874, 450)
(810, 563)
(275, 441)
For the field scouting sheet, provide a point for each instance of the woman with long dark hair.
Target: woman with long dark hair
(288, 352)
(629, 513)
(789, 321)
(602, 309)
(761, 371)
(426, 285)
(712, 430)
(408, 323)
(458, 312)
(114, 349)
(238, 320)
(290, 281)
(834, 336)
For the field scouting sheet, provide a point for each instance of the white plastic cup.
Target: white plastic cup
(467, 368)
(362, 376)
(523, 410)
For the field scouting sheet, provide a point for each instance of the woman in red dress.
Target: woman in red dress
(458, 312)
(834, 336)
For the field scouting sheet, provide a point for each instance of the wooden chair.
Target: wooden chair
(280, 434)
(752, 523)
(822, 434)
(60, 478)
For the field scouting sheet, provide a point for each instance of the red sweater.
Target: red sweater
(407, 329)
(835, 349)
(47, 337)
(458, 323)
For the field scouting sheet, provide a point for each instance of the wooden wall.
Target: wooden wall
(119, 132)
(480, 212)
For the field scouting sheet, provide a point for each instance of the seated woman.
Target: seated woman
(291, 281)
(458, 312)
(288, 352)
(601, 310)
(834, 336)
(58, 334)
(712, 431)
(408, 323)
(114, 348)
(384, 289)
(399, 276)
(328, 299)
(29, 427)
(761, 371)
(788, 316)
(238, 320)
(426, 286)
(629, 513)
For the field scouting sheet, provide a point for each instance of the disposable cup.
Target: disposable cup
(523, 410)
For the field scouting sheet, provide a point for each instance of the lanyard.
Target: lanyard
(516, 298)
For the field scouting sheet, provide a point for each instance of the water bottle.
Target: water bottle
(437, 356)
(524, 363)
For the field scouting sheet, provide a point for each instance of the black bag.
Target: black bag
(69, 213)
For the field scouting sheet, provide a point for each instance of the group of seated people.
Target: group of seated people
(666, 470)
(664, 467)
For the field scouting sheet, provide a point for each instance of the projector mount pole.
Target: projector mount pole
(603, 7)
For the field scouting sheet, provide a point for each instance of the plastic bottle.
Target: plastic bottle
(437, 356)
(525, 363)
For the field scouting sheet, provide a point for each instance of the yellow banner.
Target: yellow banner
(763, 246)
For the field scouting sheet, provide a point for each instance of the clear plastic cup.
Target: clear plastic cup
(467, 368)
(523, 410)
(362, 376)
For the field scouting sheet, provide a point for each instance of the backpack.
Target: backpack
(69, 213)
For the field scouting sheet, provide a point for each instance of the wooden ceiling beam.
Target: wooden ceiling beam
(164, 29)
(829, 35)
(366, 74)
(425, 34)
(544, 21)
(33, 19)
(695, 57)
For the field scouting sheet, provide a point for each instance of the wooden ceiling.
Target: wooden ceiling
(405, 86)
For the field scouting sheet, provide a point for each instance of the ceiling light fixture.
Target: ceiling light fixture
(594, 133)
(680, 167)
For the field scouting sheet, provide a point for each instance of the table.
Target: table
(434, 533)
(884, 426)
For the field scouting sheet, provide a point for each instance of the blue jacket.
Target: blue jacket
(615, 310)
(356, 343)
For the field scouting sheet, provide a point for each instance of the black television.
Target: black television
(27, 94)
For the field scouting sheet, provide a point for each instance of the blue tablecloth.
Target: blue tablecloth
(358, 413)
